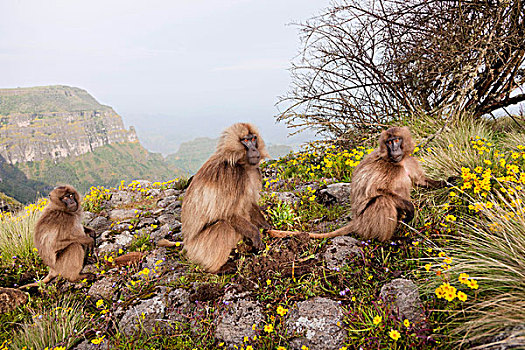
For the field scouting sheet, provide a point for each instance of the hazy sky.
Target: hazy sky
(160, 64)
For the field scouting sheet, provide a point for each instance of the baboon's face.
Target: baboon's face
(394, 145)
(252, 152)
(70, 201)
(65, 197)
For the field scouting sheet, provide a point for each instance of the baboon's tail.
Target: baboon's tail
(343, 231)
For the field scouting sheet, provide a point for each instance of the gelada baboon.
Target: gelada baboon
(220, 205)
(60, 238)
(381, 186)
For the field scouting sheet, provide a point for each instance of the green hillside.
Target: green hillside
(192, 154)
(16, 184)
(106, 165)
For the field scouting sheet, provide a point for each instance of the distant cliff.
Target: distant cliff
(52, 122)
(59, 134)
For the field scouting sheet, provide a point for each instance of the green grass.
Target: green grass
(55, 325)
(493, 250)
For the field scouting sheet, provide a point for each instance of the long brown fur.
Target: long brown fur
(220, 205)
(380, 193)
(59, 237)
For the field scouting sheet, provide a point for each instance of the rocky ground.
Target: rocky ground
(136, 218)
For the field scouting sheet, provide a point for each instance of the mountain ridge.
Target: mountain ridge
(61, 134)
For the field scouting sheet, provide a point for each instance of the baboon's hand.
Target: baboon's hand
(408, 211)
(265, 225)
(257, 242)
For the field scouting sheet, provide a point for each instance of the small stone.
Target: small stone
(104, 288)
(404, 295)
(164, 202)
(147, 314)
(166, 219)
(336, 255)
(287, 197)
(237, 321)
(319, 320)
(11, 298)
(123, 214)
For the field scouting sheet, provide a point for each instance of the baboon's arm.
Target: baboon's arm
(247, 229)
(257, 217)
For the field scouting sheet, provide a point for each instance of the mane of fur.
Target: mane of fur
(231, 149)
(403, 132)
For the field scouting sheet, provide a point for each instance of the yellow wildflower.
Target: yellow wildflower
(394, 334)
(377, 320)
(268, 328)
(97, 341)
(281, 310)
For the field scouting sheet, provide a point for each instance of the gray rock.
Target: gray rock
(88, 345)
(287, 197)
(338, 252)
(123, 214)
(167, 219)
(104, 288)
(164, 202)
(124, 198)
(336, 193)
(155, 192)
(318, 321)
(99, 224)
(238, 320)
(87, 216)
(171, 192)
(172, 208)
(404, 295)
(121, 227)
(173, 227)
(147, 222)
(178, 305)
(121, 240)
(158, 211)
(146, 315)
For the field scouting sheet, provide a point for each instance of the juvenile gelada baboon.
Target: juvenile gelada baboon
(220, 205)
(60, 238)
(381, 186)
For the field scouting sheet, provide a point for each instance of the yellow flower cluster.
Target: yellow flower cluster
(27, 211)
(446, 291)
(377, 320)
(481, 145)
(477, 183)
(470, 282)
(94, 198)
(314, 163)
